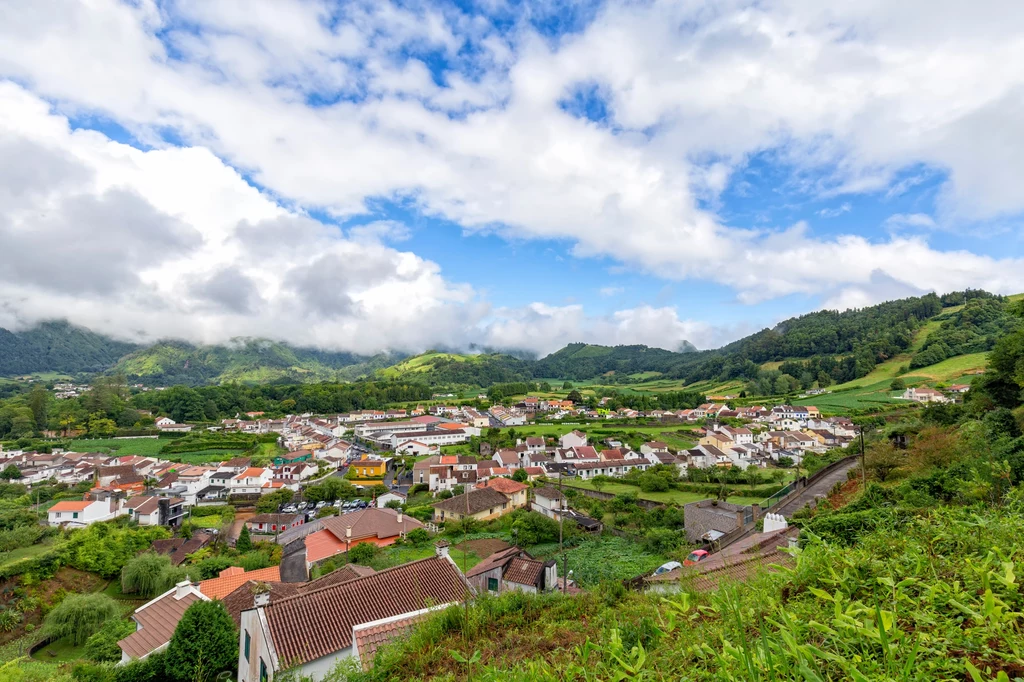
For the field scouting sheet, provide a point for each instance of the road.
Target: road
(820, 487)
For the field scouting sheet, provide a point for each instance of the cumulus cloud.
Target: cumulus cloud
(334, 107)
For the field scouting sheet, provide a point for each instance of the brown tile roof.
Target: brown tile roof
(341, 575)
(167, 546)
(230, 578)
(370, 638)
(504, 485)
(158, 619)
(479, 500)
(274, 519)
(535, 440)
(144, 504)
(548, 492)
(375, 522)
(116, 471)
(499, 558)
(319, 622)
(238, 462)
(523, 571)
(194, 543)
(241, 598)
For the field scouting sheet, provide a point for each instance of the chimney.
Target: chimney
(739, 518)
(348, 532)
(182, 589)
(441, 548)
(399, 517)
(261, 599)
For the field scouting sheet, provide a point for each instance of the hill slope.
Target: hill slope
(245, 360)
(437, 368)
(58, 346)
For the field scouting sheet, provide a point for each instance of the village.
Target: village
(409, 486)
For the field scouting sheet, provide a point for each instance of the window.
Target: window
(263, 671)
(74, 515)
(274, 527)
(248, 641)
(492, 584)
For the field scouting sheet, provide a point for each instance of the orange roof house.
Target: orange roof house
(230, 578)
(382, 527)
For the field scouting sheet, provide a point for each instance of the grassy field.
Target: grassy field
(30, 552)
(203, 456)
(671, 497)
(145, 447)
(948, 370)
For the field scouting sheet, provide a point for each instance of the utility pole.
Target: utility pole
(561, 518)
(863, 466)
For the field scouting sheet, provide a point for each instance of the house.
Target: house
(535, 444)
(650, 447)
(513, 569)
(708, 520)
(312, 631)
(156, 620)
(391, 496)
(507, 458)
(621, 467)
(366, 467)
(514, 490)
(230, 578)
(164, 421)
(716, 440)
(959, 388)
(270, 524)
(923, 394)
(294, 457)
(547, 501)
(573, 439)
(150, 510)
(417, 448)
(80, 513)
(382, 527)
(251, 480)
(178, 549)
(481, 504)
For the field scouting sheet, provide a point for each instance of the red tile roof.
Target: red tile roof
(371, 522)
(524, 571)
(70, 506)
(158, 619)
(369, 638)
(317, 623)
(504, 485)
(230, 578)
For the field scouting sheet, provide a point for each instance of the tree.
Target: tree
(652, 483)
(39, 403)
(10, 472)
(575, 397)
(362, 554)
(80, 616)
(204, 644)
(897, 384)
(882, 459)
(244, 543)
(102, 646)
(417, 537)
(101, 427)
(149, 574)
(567, 386)
(518, 475)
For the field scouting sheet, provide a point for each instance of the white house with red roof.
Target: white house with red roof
(573, 439)
(252, 480)
(80, 513)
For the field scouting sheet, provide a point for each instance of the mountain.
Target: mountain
(438, 368)
(244, 360)
(579, 361)
(57, 346)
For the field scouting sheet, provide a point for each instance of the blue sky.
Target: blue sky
(402, 175)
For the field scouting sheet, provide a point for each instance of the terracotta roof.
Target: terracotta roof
(116, 471)
(319, 622)
(251, 472)
(479, 500)
(167, 546)
(504, 485)
(523, 571)
(230, 578)
(144, 504)
(322, 544)
(499, 558)
(507, 456)
(369, 638)
(158, 619)
(274, 519)
(70, 506)
(238, 462)
(373, 521)
(535, 440)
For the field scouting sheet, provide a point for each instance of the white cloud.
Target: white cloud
(898, 220)
(851, 95)
(610, 291)
(837, 211)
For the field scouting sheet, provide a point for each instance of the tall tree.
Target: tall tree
(39, 403)
(244, 542)
(204, 644)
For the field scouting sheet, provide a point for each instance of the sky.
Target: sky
(501, 174)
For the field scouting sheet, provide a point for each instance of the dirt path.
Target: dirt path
(236, 526)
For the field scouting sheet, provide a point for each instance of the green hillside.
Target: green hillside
(439, 368)
(245, 360)
(57, 346)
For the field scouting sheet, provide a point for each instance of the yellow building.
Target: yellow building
(369, 468)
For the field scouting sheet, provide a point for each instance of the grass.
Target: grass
(670, 497)
(144, 447)
(22, 553)
(952, 368)
(61, 651)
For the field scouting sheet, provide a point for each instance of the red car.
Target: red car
(695, 556)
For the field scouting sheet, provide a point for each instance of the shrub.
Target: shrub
(417, 537)
(9, 620)
(204, 644)
(149, 574)
(661, 540)
(80, 616)
(653, 483)
(102, 646)
(362, 554)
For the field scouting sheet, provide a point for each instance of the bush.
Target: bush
(417, 537)
(9, 620)
(91, 672)
(150, 574)
(662, 541)
(362, 554)
(422, 514)
(653, 483)
(102, 646)
(531, 528)
(80, 616)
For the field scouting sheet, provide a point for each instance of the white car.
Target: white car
(666, 567)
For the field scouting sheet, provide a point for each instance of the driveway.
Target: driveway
(820, 487)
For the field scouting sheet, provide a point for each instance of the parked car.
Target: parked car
(666, 567)
(695, 557)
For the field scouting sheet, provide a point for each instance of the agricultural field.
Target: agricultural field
(670, 497)
(144, 447)
(598, 559)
